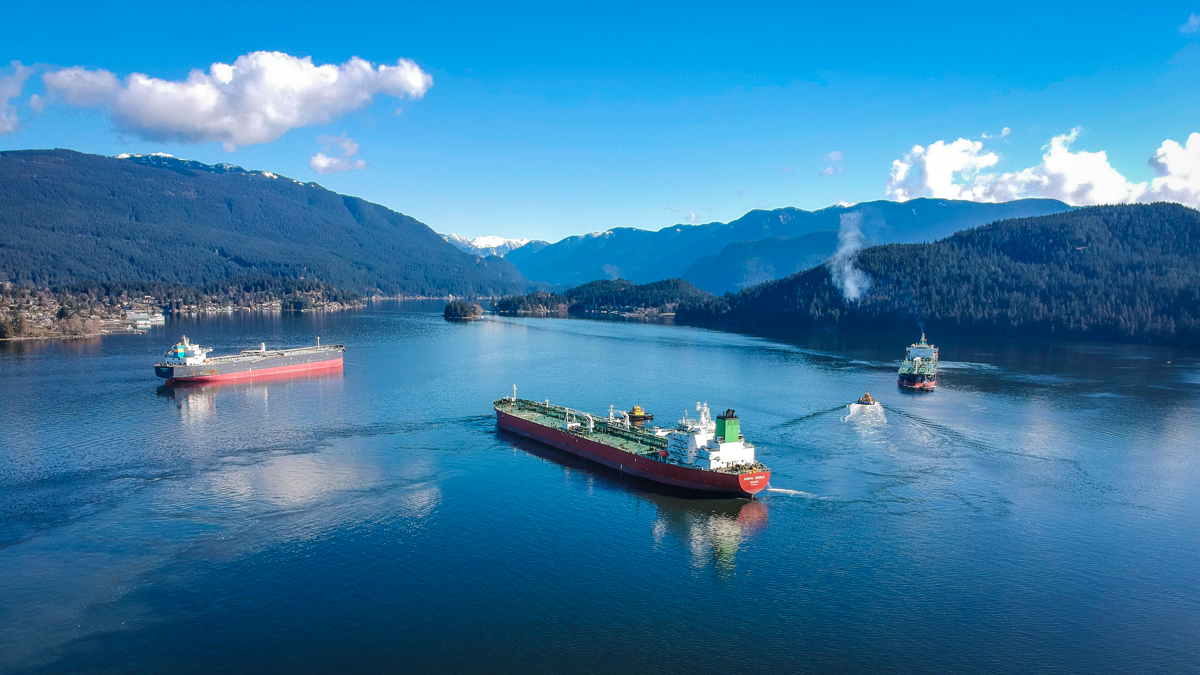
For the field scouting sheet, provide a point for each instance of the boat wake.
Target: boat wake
(865, 414)
(797, 493)
(809, 416)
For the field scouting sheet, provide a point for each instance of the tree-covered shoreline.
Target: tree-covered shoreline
(604, 296)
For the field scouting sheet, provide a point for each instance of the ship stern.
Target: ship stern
(754, 482)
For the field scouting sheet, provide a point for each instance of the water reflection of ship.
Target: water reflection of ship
(716, 527)
(198, 401)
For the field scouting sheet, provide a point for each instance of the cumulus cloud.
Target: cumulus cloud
(10, 88)
(1192, 25)
(956, 171)
(692, 217)
(1178, 168)
(835, 156)
(256, 99)
(324, 164)
(1003, 132)
(932, 171)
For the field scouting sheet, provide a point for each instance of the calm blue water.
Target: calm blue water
(1038, 512)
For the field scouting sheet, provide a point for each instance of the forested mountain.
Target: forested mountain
(605, 295)
(517, 255)
(67, 217)
(747, 263)
(1108, 272)
(643, 255)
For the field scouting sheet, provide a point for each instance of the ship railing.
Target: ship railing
(652, 442)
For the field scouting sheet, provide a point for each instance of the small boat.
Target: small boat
(639, 415)
(867, 400)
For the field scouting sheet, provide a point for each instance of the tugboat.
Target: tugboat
(867, 400)
(919, 370)
(639, 415)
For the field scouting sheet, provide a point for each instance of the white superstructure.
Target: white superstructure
(708, 444)
(187, 353)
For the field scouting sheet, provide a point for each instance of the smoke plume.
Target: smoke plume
(852, 281)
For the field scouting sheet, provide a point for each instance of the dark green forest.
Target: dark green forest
(461, 310)
(1125, 273)
(67, 217)
(604, 295)
(294, 293)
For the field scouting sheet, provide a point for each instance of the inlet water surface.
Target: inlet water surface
(1038, 511)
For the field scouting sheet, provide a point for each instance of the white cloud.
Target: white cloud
(834, 159)
(10, 88)
(692, 217)
(931, 171)
(256, 99)
(324, 164)
(1178, 168)
(1192, 25)
(1003, 132)
(954, 171)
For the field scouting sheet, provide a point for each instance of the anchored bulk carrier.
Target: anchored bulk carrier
(919, 370)
(698, 454)
(189, 362)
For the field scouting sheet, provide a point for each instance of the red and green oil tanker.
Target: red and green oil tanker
(699, 454)
(189, 362)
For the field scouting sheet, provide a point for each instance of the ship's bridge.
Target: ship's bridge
(706, 444)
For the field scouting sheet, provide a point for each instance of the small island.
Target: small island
(461, 310)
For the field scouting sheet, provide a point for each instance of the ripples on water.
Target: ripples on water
(1037, 511)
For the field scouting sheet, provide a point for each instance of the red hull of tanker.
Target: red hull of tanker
(928, 385)
(279, 371)
(747, 484)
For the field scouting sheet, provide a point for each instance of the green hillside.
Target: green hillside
(67, 217)
(603, 296)
(1111, 272)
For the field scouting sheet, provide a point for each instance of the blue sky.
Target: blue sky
(549, 120)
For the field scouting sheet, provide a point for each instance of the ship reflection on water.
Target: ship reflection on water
(198, 401)
(712, 529)
(715, 529)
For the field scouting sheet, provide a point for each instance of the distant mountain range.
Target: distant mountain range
(488, 245)
(1106, 272)
(67, 217)
(720, 257)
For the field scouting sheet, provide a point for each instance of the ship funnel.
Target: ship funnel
(727, 426)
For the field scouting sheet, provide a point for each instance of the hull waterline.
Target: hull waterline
(201, 377)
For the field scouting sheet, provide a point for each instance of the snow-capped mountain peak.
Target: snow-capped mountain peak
(485, 245)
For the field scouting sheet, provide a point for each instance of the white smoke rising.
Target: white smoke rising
(850, 280)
